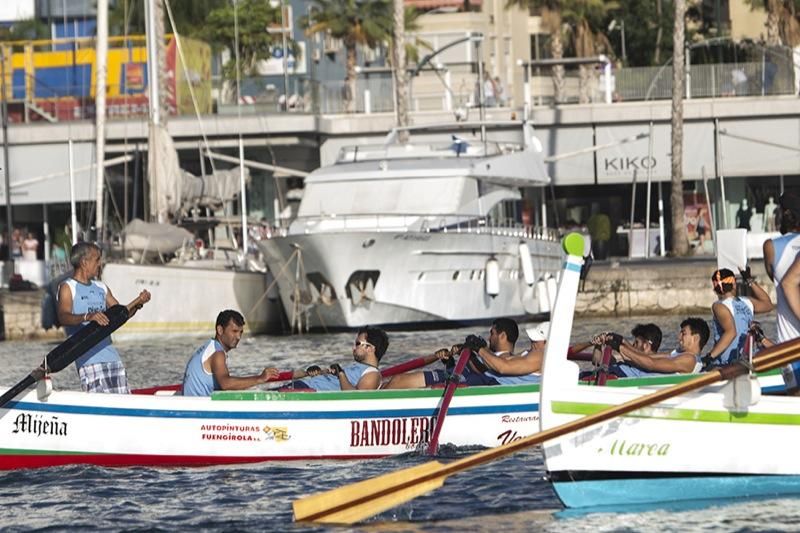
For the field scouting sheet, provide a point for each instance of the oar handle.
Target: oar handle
(433, 444)
(405, 367)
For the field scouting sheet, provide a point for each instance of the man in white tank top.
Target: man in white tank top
(780, 254)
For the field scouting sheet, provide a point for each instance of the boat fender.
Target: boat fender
(741, 392)
(541, 296)
(552, 288)
(44, 388)
(492, 270)
(527, 264)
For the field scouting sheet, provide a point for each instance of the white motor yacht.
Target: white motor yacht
(423, 232)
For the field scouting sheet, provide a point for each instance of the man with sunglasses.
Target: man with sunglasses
(362, 374)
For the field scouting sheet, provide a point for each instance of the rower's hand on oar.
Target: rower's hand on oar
(268, 374)
(614, 340)
(475, 343)
(313, 370)
(98, 317)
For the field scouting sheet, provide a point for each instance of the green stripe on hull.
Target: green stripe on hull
(686, 415)
(671, 379)
(13, 451)
(369, 394)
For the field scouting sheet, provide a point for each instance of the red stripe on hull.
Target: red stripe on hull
(22, 461)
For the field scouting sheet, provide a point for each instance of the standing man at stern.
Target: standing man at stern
(82, 299)
(207, 370)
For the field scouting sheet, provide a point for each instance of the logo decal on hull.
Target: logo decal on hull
(410, 432)
(39, 425)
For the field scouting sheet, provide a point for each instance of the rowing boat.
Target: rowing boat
(725, 441)
(68, 427)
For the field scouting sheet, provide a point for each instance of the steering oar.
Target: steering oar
(68, 351)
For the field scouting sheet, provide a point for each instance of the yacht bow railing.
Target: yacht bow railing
(409, 223)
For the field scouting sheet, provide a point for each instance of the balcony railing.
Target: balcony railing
(43, 99)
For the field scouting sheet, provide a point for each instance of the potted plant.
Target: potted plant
(600, 230)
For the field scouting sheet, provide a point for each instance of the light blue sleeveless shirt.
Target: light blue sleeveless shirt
(91, 298)
(787, 249)
(329, 382)
(196, 381)
(742, 310)
(636, 372)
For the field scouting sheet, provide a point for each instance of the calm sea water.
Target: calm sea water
(510, 494)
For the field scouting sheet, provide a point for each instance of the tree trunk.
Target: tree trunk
(350, 78)
(400, 71)
(774, 10)
(584, 47)
(552, 21)
(659, 32)
(680, 239)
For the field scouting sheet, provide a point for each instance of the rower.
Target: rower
(646, 340)
(733, 314)
(493, 363)
(83, 298)
(207, 370)
(780, 257)
(363, 374)
(692, 336)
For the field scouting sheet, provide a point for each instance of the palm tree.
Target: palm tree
(356, 22)
(581, 15)
(680, 239)
(399, 62)
(550, 12)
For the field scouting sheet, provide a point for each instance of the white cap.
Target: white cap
(539, 332)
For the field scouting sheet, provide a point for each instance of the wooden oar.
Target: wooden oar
(358, 501)
(68, 351)
(433, 444)
(413, 364)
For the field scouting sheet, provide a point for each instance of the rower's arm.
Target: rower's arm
(219, 368)
(760, 299)
(369, 381)
(791, 288)
(513, 366)
(769, 256)
(682, 364)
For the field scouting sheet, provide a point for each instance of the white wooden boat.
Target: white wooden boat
(251, 426)
(724, 441)
(189, 297)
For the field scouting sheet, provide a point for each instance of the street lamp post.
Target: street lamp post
(284, 54)
(6, 162)
(611, 27)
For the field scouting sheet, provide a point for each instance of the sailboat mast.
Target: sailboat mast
(101, 65)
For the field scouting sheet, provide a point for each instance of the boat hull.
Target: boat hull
(186, 300)
(696, 446)
(414, 278)
(243, 427)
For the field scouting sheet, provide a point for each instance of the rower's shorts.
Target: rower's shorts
(104, 377)
(471, 378)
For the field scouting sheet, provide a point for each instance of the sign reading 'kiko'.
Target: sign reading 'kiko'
(625, 164)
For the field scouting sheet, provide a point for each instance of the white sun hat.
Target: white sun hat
(539, 332)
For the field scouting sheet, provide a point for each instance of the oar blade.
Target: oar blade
(359, 501)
